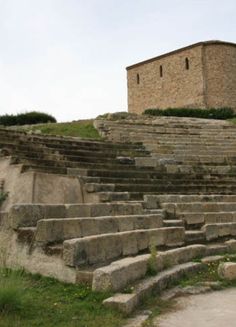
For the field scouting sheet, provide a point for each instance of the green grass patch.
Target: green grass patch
(82, 128)
(233, 120)
(30, 300)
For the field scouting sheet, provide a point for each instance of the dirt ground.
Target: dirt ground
(214, 309)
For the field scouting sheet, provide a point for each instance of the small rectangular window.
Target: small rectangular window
(138, 78)
(187, 63)
(161, 71)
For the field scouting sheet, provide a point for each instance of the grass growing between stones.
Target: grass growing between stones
(31, 300)
(82, 128)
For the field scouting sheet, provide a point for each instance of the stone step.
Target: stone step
(199, 157)
(198, 207)
(201, 168)
(76, 144)
(135, 196)
(117, 196)
(58, 230)
(97, 187)
(173, 223)
(43, 169)
(153, 201)
(59, 142)
(97, 249)
(163, 178)
(71, 164)
(195, 237)
(219, 230)
(207, 188)
(27, 215)
(126, 303)
(69, 158)
(192, 218)
(119, 274)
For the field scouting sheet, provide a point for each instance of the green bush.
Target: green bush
(28, 118)
(213, 113)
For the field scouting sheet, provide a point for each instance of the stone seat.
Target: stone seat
(198, 207)
(121, 273)
(103, 248)
(170, 198)
(27, 215)
(58, 230)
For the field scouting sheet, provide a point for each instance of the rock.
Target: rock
(227, 270)
(231, 245)
(212, 259)
(125, 160)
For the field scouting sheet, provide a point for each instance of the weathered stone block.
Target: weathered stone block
(227, 270)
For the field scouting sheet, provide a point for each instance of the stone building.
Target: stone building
(201, 75)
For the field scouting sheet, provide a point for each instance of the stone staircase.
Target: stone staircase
(165, 182)
(110, 223)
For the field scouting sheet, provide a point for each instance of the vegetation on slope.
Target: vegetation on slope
(30, 300)
(213, 113)
(82, 128)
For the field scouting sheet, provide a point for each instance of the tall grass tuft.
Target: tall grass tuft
(12, 292)
(152, 260)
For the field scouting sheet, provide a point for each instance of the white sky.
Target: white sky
(68, 57)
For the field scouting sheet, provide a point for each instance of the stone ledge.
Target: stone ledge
(120, 273)
(126, 303)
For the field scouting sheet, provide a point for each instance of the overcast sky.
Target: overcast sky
(68, 57)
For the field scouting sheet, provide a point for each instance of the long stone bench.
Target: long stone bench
(26, 215)
(121, 273)
(108, 247)
(58, 230)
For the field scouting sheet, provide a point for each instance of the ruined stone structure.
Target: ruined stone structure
(202, 75)
(88, 210)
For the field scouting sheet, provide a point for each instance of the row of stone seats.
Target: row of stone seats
(51, 155)
(93, 234)
(202, 215)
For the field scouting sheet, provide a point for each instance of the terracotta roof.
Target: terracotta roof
(203, 43)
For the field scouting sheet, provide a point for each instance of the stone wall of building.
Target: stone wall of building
(208, 81)
(220, 75)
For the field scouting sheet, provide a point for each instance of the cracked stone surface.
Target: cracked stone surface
(215, 309)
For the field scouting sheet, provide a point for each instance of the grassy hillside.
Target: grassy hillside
(81, 128)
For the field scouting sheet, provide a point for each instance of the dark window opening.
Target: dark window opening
(161, 71)
(187, 63)
(138, 79)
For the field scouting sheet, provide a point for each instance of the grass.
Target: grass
(3, 197)
(82, 128)
(233, 120)
(30, 300)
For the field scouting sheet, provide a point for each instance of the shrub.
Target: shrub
(152, 261)
(213, 113)
(28, 118)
